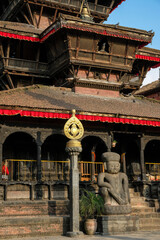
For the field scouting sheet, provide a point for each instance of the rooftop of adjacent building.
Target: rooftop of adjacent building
(45, 98)
(149, 88)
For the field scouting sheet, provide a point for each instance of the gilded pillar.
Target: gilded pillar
(73, 130)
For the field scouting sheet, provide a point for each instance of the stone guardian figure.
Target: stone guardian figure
(113, 186)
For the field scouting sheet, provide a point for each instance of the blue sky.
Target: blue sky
(141, 14)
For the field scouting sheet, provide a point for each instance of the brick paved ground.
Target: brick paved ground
(129, 236)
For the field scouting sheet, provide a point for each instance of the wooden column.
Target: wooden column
(109, 142)
(143, 169)
(39, 164)
(8, 52)
(1, 158)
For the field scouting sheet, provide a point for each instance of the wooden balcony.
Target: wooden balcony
(77, 4)
(68, 5)
(26, 66)
(102, 59)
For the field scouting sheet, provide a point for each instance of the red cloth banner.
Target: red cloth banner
(149, 58)
(40, 114)
(20, 37)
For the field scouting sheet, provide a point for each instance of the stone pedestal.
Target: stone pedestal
(118, 224)
(74, 148)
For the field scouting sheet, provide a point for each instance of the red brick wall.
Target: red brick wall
(97, 92)
(154, 95)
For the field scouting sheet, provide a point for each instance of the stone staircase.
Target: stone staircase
(147, 210)
(33, 218)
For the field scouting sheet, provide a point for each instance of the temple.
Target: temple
(59, 55)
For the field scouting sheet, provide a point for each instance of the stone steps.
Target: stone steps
(146, 210)
(33, 218)
(135, 194)
(33, 226)
(142, 209)
(149, 228)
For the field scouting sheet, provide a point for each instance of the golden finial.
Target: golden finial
(73, 128)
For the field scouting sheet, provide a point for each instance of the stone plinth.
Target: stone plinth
(118, 224)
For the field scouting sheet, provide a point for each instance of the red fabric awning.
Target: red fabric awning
(53, 115)
(149, 58)
(18, 36)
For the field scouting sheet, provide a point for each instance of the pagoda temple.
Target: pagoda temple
(59, 55)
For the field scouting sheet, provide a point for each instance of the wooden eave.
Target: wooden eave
(149, 52)
(98, 84)
(19, 31)
(77, 24)
(150, 55)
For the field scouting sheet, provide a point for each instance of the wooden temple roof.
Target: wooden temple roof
(151, 87)
(20, 27)
(15, 30)
(19, 31)
(73, 23)
(44, 101)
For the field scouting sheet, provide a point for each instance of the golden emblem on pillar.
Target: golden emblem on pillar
(73, 129)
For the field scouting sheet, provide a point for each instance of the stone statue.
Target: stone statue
(114, 186)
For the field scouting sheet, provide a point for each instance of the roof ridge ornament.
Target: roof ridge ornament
(73, 128)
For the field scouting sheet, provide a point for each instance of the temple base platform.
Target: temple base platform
(117, 224)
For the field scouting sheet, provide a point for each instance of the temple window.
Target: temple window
(103, 46)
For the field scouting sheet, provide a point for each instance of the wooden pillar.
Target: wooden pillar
(8, 52)
(109, 142)
(143, 169)
(39, 164)
(1, 158)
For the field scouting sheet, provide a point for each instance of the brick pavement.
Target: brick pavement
(128, 236)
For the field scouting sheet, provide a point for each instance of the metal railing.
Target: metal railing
(26, 170)
(55, 170)
(153, 171)
(90, 170)
(20, 170)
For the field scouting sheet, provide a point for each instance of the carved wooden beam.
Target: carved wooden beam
(40, 15)
(2, 52)
(24, 15)
(55, 15)
(10, 81)
(110, 7)
(5, 85)
(108, 76)
(78, 46)
(8, 52)
(30, 12)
